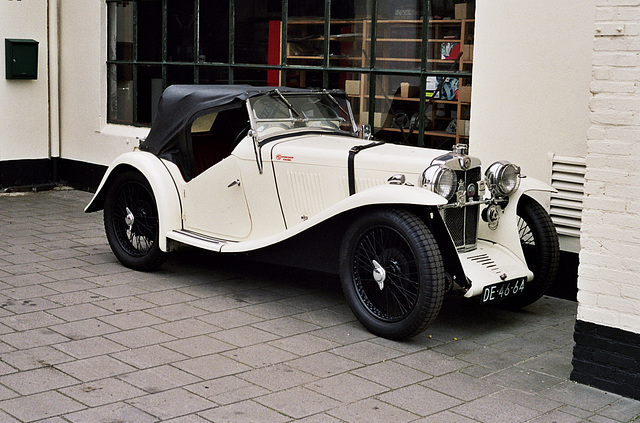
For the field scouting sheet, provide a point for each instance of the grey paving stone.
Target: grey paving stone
(495, 409)
(419, 400)
(95, 368)
(461, 386)
(246, 411)
(37, 380)
(151, 356)
(391, 374)
(306, 402)
(227, 390)
(171, 404)
(35, 358)
(366, 352)
(580, 396)
(32, 338)
(102, 392)
(230, 319)
(79, 312)
(212, 366)
(277, 377)
(119, 412)
(624, 409)
(260, 355)
(40, 406)
(131, 320)
(523, 379)
(90, 347)
(83, 329)
(371, 411)
(286, 326)
(432, 363)
(346, 387)
(198, 346)
(244, 336)
(187, 328)
(324, 364)
(28, 321)
(556, 417)
(140, 337)
(159, 379)
(304, 344)
(446, 417)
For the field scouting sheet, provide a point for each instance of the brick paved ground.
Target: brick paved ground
(209, 339)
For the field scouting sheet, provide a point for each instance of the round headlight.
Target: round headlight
(441, 180)
(503, 178)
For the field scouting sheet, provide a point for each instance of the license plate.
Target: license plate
(502, 290)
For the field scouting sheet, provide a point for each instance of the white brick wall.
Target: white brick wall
(609, 273)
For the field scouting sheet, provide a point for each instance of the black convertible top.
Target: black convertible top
(181, 104)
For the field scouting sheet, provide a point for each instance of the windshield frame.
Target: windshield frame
(299, 120)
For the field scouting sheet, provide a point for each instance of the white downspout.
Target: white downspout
(53, 12)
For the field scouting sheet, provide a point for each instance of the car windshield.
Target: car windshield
(276, 112)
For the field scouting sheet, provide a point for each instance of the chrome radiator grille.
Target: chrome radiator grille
(462, 221)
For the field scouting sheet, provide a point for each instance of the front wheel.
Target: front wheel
(392, 273)
(539, 241)
(131, 222)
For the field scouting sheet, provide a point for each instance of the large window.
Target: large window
(406, 64)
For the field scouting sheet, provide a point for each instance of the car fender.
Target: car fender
(506, 234)
(162, 184)
(379, 195)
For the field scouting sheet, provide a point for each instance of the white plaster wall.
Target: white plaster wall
(609, 272)
(531, 75)
(24, 104)
(84, 133)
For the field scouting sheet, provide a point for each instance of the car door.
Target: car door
(214, 202)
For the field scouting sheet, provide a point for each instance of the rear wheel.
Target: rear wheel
(539, 241)
(131, 222)
(392, 273)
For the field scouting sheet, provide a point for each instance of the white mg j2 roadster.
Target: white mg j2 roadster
(286, 175)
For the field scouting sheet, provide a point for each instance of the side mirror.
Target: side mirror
(366, 131)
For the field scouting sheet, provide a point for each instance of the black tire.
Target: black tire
(541, 249)
(131, 222)
(413, 279)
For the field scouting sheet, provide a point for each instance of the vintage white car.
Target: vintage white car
(286, 175)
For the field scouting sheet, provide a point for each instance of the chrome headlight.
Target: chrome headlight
(503, 178)
(441, 180)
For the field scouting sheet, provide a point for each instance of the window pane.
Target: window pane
(120, 93)
(149, 30)
(213, 76)
(348, 25)
(253, 38)
(214, 31)
(399, 35)
(120, 31)
(180, 30)
(149, 89)
(250, 77)
(179, 75)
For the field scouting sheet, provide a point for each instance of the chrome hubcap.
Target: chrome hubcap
(379, 274)
(129, 219)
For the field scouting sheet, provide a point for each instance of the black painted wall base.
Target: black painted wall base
(45, 173)
(607, 358)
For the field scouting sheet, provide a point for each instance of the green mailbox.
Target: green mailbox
(21, 58)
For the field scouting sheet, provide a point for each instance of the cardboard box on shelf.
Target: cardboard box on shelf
(352, 86)
(408, 91)
(465, 10)
(463, 127)
(467, 52)
(464, 94)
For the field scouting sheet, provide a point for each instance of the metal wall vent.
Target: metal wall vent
(567, 176)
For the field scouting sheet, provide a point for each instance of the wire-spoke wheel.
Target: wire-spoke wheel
(539, 241)
(131, 222)
(392, 273)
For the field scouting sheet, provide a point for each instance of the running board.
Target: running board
(198, 240)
